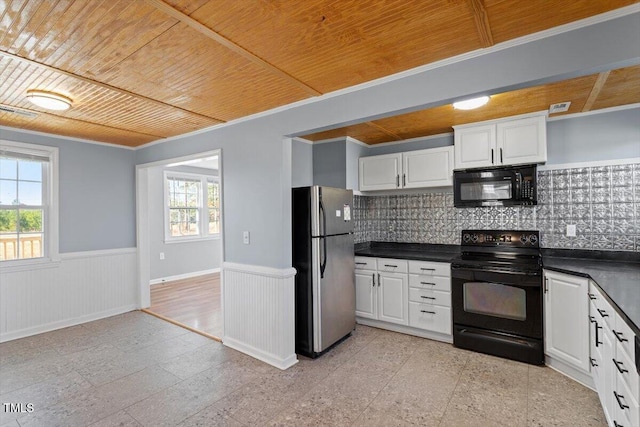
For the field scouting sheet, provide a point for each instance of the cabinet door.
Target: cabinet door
(428, 168)
(393, 298)
(475, 146)
(366, 294)
(566, 324)
(522, 141)
(380, 172)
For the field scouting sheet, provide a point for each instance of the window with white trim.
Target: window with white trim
(192, 206)
(28, 200)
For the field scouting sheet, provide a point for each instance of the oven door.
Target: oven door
(505, 302)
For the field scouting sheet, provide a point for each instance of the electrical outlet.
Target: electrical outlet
(245, 237)
(161, 255)
(571, 230)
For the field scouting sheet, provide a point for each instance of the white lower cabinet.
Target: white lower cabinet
(413, 294)
(566, 332)
(612, 360)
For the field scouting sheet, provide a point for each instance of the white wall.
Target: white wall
(181, 258)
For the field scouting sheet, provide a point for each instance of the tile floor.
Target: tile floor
(135, 369)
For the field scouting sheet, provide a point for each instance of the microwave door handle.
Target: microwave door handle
(518, 187)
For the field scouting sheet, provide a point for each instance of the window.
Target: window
(192, 206)
(28, 218)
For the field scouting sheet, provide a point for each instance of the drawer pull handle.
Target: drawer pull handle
(389, 265)
(422, 296)
(592, 319)
(427, 269)
(427, 283)
(619, 335)
(592, 296)
(618, 397)
(373, 279)
(593, 362)
(427, 311)
(615, 424)
(361, 263)
(603, 313)
(618, 364)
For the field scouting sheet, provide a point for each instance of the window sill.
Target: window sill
(30, 265)
(190, 239)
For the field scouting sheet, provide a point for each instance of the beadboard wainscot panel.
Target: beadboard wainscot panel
(259, 312)
(80, 287)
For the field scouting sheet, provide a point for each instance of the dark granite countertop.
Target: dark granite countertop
(413, 251)
(617, 274)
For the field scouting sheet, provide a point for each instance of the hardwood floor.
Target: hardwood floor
(194, 302)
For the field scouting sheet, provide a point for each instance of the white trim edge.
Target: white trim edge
(281, 273)
(592, 164)
(64, 323)
(98, 253)
(266, 357)
(65, 138)
(183, 276)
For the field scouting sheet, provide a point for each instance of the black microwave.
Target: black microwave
(501, 186)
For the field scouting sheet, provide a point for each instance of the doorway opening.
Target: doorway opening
(180, 241)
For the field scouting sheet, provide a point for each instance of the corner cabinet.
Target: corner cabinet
(432, 167)
(566, 329)
(502, 142)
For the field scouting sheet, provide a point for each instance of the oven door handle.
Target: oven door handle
(455, 268)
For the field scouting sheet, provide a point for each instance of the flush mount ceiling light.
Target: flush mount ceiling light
(470, 104)
(48, 100)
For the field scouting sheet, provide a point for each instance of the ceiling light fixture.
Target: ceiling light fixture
(48, 100)
(470, 104)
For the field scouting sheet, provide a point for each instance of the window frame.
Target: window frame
(50, 226)
(203, 208)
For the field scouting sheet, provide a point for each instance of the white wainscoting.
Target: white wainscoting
(81, 287)
(259, 312)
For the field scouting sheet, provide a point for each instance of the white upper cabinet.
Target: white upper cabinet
(427, 168)
(501, 142)
(380, 172)
(432, 167)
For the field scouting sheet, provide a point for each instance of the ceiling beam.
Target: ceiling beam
(595, 90)
(385, 131)
(208, 32)
(102, 85)
(482, 22)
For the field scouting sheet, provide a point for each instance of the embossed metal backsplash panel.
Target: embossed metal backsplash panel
(603, 202)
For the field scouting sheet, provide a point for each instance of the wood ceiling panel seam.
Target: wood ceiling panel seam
(595, 91)
(203, 29)
(481, 19)
(384, 130)
(103, 85)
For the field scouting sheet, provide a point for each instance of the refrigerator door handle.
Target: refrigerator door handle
(323, 257)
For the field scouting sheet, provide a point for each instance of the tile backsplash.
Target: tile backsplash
(603, 202)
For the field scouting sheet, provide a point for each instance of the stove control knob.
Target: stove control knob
(524, 239)
(466, 237)
(533, 239)
(474, 238)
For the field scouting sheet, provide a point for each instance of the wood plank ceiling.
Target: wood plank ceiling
(142, 70)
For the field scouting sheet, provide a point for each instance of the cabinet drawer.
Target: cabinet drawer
(430, 317)
(429, 268)
(631, 415)
(430, 297)
(392, 265)
(624, 337)
(437, 283)
(630, 377)
(365, 263)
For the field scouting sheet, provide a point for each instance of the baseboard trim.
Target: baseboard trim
(280, 273)
(183, 276)
(48, 327)
(403, 329)
(569, 371)
(269, 358)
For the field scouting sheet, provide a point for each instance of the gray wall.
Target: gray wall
(96, 192)
(257, 159)
(330, 164)
(607, 136)
(301, 164)
(418, 144)
(180, 257)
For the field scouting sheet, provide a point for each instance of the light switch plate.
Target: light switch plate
(571, 230)
(245, 237)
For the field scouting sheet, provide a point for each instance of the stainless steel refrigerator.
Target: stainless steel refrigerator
(323, 257)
